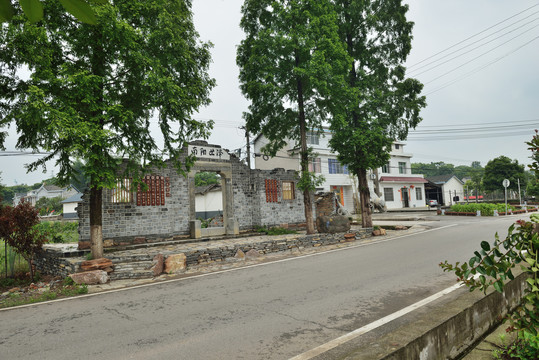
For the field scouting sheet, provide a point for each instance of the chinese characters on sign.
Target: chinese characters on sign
(207, 152)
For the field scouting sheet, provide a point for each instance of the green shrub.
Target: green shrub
(59, 232)
(485, 208)
(274, 230)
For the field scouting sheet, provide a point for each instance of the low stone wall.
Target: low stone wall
(57, 263)
(61, 263)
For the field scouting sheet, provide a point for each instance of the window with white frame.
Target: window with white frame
(418, 193)
(385, 168)
(315, 165)
(402, 168)
(312, 138)
(335, 167)
(388, 194)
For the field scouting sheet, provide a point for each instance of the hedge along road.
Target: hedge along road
(272, 311)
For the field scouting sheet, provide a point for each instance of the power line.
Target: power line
(413, 72)
(471, 37)
(474, 71)
(473, 124)
(481, 55)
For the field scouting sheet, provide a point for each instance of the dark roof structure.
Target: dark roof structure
(442, 179)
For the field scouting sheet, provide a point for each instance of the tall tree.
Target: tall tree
(383, 104)
(502, 168)
(292, 69)
(93, 90)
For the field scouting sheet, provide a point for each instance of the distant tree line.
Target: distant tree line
(488, 178)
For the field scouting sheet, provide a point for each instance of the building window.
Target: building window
(335, 167)
(388, 194)
(315, 165)
(402, 168)
(288, 190)
(272, 190)
(385, 168)
(397, 146)
(312, 138)
(418, 193)
(122, 192)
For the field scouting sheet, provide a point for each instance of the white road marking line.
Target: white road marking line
(376, 324)
(223, 271)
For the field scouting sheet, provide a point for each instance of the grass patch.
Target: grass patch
(275, 230)
(16, 292)
(59, 231)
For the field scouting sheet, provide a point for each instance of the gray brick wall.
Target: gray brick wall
(124, 222)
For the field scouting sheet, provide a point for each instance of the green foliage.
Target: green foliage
(492, 265)
(18, 229)
(204, 223)
(33, 9)
(502, 168)
(58, 231)
(533, 184)
(148, 60)
(92, 90)
(47, 206)
(207, 178)
(274, 230)
(381, 103)
(292, 69)
(485, 208)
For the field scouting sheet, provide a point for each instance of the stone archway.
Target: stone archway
(230, 225)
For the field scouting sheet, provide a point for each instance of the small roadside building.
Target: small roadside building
(70, 206)
(446, 189)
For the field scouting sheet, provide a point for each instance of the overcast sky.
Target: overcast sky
(482, 94)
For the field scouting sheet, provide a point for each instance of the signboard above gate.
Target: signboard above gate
(208, 152)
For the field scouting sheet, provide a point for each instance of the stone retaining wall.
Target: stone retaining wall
(59, 263)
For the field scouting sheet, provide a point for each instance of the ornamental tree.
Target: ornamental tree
(93, 90)
(292, 69)
(18, 229)
(384, 103)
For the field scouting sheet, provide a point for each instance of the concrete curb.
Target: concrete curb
(448, 330)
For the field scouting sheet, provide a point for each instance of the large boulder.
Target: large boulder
(332, 224)
(158, 264)
(90, 277)
(175, 263)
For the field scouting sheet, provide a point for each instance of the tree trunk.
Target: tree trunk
(365, 197)
(96, 222)
(304, 155)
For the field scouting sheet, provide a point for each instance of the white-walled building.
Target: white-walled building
(45, 191)
(337, 178)
(446, 189)
(397, 185)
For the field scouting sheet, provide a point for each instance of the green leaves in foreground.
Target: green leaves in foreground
(33, 9)
(493, 264)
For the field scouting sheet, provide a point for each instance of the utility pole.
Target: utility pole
(519, 197)
(248, 146)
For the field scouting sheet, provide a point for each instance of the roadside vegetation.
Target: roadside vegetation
(494, 264)
(21, 291)
(485, 208)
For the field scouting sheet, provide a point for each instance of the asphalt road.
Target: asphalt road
(273, 311)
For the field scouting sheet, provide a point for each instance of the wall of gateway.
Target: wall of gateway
(166, 209)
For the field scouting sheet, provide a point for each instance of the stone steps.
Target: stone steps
(132, 270)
